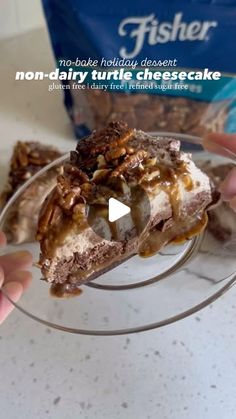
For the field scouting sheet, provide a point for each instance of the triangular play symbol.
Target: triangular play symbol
(116, 209)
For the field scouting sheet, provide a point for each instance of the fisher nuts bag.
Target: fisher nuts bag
(195, 34)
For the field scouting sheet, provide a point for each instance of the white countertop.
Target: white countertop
(183, 371)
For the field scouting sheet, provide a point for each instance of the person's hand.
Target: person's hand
(14, 277)
(228, 141)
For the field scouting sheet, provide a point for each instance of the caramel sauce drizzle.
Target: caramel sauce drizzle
(182, 229)
(176, 234)
(65, 290)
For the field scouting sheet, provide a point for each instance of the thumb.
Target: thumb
(228, 186)
(214, 141)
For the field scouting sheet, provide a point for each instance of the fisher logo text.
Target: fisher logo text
(148, 29)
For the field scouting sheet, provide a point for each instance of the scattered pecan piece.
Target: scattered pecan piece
(100, 175)
(76, 173)
(130, 163)
(47, 213)
(115, 153)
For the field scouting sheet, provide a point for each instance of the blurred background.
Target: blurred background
(27, 110)
(19, 16)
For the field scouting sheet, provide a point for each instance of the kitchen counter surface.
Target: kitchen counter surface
(183, 371)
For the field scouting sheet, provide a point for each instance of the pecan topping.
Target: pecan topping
(129, 150)
(102, 143)
(27, 159)
(115, 153)
(76, 173)
(68, 201)
(100, 175)
(101, 161)
(22, 157)
(48, 210)
(130, 163)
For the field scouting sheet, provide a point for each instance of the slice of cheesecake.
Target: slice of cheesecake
(222, 219)
(112, 162)
(27, 159)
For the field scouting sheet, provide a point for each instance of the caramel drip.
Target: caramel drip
(187, 181)
(139, 218)
(65, 290)
(178, 233)
(57, 234)
(168, 180)
(196, 227)
(182, 229)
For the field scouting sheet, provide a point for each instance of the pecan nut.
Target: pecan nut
(130, 163)
(115, 153)
(100, 175)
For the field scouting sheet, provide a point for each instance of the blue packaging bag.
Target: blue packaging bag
(186, 34)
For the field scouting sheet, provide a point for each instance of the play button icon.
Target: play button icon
(119, 214)
(116, 210)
